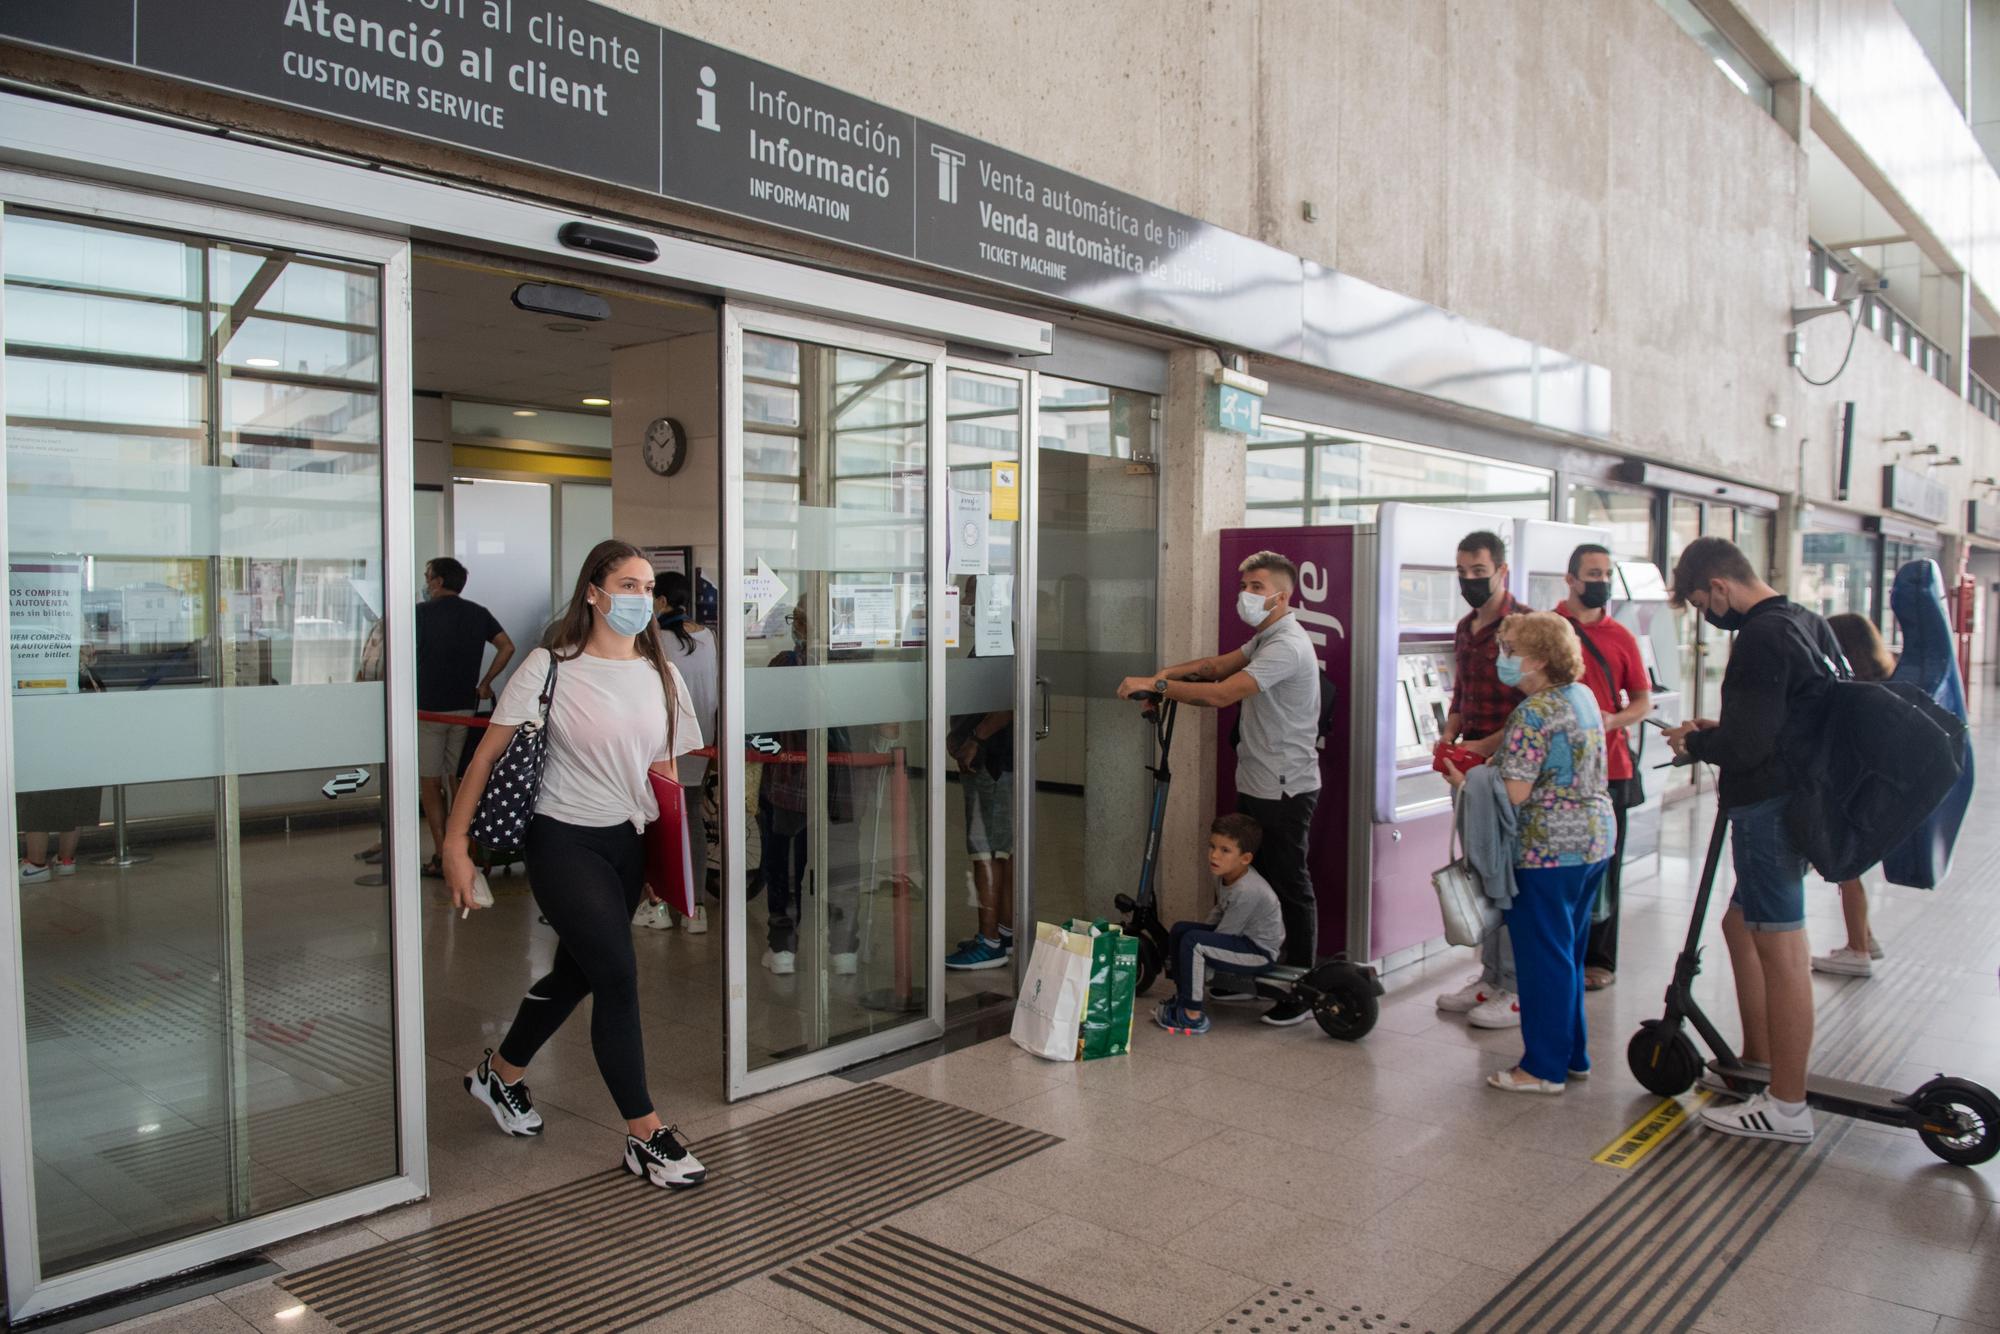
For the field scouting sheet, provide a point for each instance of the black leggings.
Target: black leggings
(588, 883)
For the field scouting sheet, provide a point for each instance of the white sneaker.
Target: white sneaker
(696, 925)
(782, 963)
(1758, 1117)
(653, 916)
(509, 1103)
(1466, 997)
(1844, 962)
(32, 874)
(67, 866)
(845, 965)
(1875, 950)
(1503, 1010)
(664, 1160)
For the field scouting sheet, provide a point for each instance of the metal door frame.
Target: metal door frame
(29, 1293)
(737, 320)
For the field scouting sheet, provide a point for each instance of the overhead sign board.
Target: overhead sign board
(1908, 491)
(581, 88)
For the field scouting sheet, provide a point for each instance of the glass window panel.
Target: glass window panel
(43, 389)
(304, 349)
(1081, 418)
(300, 412)
(1627, 514)
(1275, 475)
(833, 677)
(81, 322)
(193, 1023)
(1274, 516)
(285, 284)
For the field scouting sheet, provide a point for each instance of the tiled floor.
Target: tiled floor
(1195, 1175)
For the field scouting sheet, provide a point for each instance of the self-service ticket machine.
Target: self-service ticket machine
(1381, 604)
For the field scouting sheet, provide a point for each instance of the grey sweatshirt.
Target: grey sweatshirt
(1249, 908)
(1489, 830)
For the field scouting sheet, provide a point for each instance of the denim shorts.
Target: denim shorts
(1770, 872)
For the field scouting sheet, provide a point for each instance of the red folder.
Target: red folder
(669, 869)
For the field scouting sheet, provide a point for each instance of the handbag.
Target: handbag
(500, 821)
(669, 863)
(1468, 913)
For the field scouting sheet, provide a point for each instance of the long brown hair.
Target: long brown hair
(1862, 643)
(571, 631)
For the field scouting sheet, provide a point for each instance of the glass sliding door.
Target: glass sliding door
(201, 1013)
(834, 709)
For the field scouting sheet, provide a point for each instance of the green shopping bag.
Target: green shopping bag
(1114, 980)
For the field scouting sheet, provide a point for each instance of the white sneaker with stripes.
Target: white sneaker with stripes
(1758, 1117)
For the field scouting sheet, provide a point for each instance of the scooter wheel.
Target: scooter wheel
(1343, 1001)
(1960, 1121)
(1663, 1059)
(1149, 966)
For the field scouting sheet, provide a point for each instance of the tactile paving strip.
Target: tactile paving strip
(893, 1280)
(610, 1252)
(1289, 1310)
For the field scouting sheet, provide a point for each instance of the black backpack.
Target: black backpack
(1874, 759)
(1328, 696)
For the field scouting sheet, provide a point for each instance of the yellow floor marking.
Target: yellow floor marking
(1648, 1132)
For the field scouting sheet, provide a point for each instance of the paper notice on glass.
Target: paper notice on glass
(861, 616)
(916, 616)
(993, 617)
(970, 519)
(45, 611)
(1006, 492)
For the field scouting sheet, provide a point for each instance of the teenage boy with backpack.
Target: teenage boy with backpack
(1778, 670)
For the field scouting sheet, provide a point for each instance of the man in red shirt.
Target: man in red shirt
(1616, 675)
(1480, 705)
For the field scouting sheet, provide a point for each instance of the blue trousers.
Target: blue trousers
(1550, 927)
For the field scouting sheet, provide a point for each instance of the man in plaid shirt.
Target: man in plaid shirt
(1480, 705)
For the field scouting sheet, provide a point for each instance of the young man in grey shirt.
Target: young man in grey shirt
(1276, 678)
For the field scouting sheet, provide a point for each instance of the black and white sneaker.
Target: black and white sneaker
(1291, 1010)
(509, 1103)
(664, 1160)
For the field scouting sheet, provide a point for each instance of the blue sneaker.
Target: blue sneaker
(1170, 1017)
(976, 953)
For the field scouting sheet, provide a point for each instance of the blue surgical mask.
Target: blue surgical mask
(1508, 668)
(630, 612)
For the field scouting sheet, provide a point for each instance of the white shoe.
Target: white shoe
(1502, 1011)
(664, 1160)
(1875, 950)
(653, 916)
(1844, 962)
(845, 965)
(509, 1103)
(782, 963)
(67, 866)
(1466, 997)
(696, 925)
(32, 874)
(1757, 1117)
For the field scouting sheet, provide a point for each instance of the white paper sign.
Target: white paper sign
(993, 617)
(971, 517)
(45, 604)
(916, 615)
(861, 616)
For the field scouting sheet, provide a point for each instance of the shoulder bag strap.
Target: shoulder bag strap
(549, 689)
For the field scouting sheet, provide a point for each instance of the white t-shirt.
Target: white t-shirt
(607, 727)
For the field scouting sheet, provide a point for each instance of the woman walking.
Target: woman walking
(617, 708)
(1552, 760)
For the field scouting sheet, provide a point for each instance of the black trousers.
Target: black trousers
(1602, 950)
(1287, 825)
(588, 883)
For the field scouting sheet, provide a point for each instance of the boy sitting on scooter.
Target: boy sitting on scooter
(1242, 935)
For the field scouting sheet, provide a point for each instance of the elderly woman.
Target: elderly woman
(1551, 759)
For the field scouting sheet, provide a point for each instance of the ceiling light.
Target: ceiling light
(263, 363)
(563, 328)
(526, 412)
(597, 402)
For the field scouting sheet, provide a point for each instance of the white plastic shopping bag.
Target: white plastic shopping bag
(1049, 1014)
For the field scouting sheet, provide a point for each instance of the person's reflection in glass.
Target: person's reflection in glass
(64, 812)
(783, 804)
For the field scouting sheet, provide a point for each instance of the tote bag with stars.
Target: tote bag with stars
(500, 823)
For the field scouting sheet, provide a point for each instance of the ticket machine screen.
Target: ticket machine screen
(1424, 681)
(1427, 597)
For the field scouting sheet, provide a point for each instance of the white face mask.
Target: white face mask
(1250, 606)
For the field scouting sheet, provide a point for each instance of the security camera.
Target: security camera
(1852, 286)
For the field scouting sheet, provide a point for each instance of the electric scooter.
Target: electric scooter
(1957, 1120)
(1344, 996)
